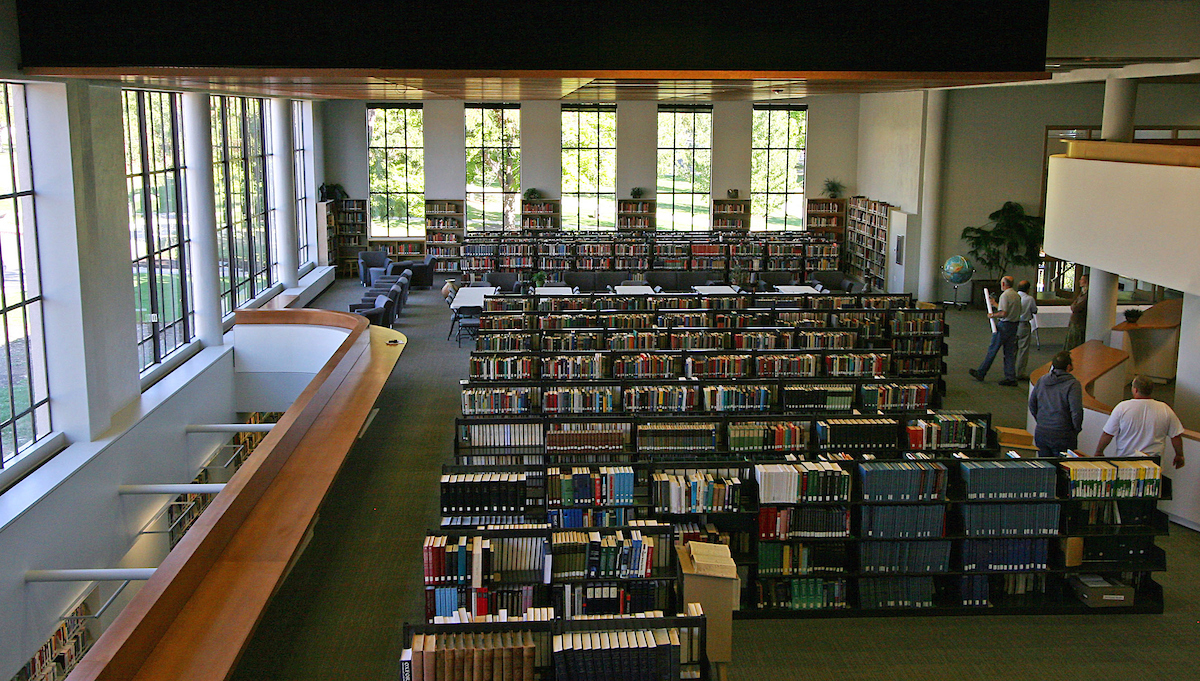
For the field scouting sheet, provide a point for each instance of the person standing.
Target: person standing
(1077, 327)
(1056, 403)
(1143, 425)
(1007, 314)
(1024, 328)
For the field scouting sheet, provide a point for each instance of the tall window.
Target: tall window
(24, 398)
(684, 167)
(493, 166)
(158, 234)
(396, 158)
(589, 166)
(300, 172)
(240, 180)
(777, 167)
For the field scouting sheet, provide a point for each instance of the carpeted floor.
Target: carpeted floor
(338, 616)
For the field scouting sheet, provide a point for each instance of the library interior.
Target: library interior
(341, 344)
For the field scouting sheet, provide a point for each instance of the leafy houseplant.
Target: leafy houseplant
(1011, 238)
(532, 194)
(833, 188)
(538, 279)
(636, 192)
(1132, 315)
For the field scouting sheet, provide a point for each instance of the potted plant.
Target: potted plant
(1132, 315)
(537, 279)
(636, 192)
(833, 188)
(1010, 239)
(532, 194)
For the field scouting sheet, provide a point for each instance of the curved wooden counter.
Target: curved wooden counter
(1092, 360)
(194, 616)
(1167, 314)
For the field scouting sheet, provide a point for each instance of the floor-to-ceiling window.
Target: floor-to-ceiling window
(684, 167)
(493, 167)
(158, 230)
(589, 166)
(777, 167)
(243, 214)
(396, 161)
(24, 397)
(304, 206)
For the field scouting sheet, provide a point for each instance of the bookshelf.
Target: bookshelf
(731, 215)
(350, 234)
(399, 248)
(826, 217)
(444, 234)
(327, 246)
(866, 251)
(637, 215)
(541, 215)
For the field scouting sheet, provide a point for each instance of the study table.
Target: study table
(637, 290)
(795, 289)
(715, 290)
(472, 296)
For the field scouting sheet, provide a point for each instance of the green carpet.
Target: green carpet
(338, 615)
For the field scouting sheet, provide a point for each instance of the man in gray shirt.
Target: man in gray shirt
(1007, 315)
(1057, 405)
(1024, 329)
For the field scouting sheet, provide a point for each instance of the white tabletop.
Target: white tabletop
(633, 290)
(555, 291)
(471, 296)
(714, 290)
(796, 289)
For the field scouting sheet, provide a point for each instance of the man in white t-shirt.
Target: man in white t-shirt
(1142, 425)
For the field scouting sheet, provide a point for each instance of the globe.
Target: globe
(957, 270)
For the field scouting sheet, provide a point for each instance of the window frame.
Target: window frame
(414, 220)
(597, 156)
(510, 199)
(760, 199)
(667, 209)
(300, 174)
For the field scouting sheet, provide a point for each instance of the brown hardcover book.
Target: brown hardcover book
(507, 658)
(529, 651)
(477, 657)
(418, 658)
(489, 656)
(460, 659)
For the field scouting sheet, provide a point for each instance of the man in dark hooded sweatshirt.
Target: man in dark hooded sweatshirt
(1057, 404)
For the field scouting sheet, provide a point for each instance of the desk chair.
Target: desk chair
(468, 322)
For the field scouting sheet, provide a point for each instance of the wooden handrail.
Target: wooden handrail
(1090, 361)
(193, 618)
(1132, 152)
(1167, 314)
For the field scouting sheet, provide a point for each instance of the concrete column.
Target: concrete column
(929, 266)
(283, 174)
(637, 148)
(732, 137)
(541, 148)
(202, 217)
(1101, 305)
(1187, 377)
(1120, 98)
(445, 150)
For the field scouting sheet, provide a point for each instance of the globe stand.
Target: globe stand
(954, 303)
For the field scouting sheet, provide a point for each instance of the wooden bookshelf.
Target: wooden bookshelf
(541, 215)
(731, 215)
(635, 215)
(865, 255)
(399, 248)
(444, 219)
(350, 234)
(827, 217)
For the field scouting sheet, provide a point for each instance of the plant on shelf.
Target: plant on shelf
(1011, 238)
(1132, 315)
(834, 188)
(636, 192)
(532, 194)
(537, 279)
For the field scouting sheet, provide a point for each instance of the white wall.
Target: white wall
(637, 146)
(345, 134)
(541, 148)
(890, 129)
(1123, 28)
(445, 150)
(732, 129)
(832, 145)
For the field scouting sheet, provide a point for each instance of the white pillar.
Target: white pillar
(1120, 98)
(1187, 375)
(1101, 305)
(283, 172)
(929, 265)
(202, 217)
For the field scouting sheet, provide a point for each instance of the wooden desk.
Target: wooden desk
(1093, 361)
(194, 616)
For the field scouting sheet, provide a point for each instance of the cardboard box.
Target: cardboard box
(1072, 548)
(710, 579)
(1100, 592)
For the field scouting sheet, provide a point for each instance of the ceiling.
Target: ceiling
(497, 86)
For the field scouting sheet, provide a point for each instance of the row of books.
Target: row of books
(470, 604)
(481, 493)
(885, 396)
(977, 590)
(803, 522)
(500, 656)
(505, 335)
(606, 486)
(760, 435)
(596, 555)
(993, 520)
(804, 481)
(1014, 479)
(948, 431)
(696, 491)
(797, 558)
(598, 599)
(903, 556)
(59, 654)
(902, 480)
(568, 518)
(856, 433)
(808, 593)
(1005, 554)
(903, 522)
(895, 592)
(824, 308)
(1117, 479)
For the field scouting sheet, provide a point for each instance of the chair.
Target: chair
(468, 322)
(372, 264)
(379, 313)
(453, 313)
(662, 279)
(1033, 331)
(503, 281)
